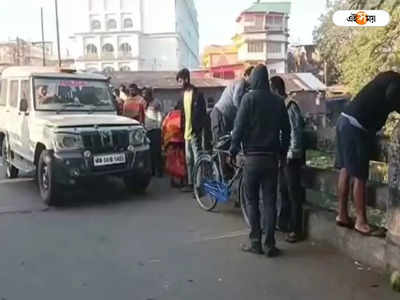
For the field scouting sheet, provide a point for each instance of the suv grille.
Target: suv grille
(105, 141)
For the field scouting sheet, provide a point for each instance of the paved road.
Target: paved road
(112, 245)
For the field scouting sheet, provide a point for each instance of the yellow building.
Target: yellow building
(219, 55)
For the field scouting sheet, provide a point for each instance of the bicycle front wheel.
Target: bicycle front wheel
(206, 170)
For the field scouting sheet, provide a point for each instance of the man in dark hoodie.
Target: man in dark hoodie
(262, 127)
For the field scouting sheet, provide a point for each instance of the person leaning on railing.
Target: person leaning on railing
(355, 131)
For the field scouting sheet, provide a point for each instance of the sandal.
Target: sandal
(349, 225)
(374, 232)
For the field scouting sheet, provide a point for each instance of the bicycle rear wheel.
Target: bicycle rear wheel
(206, 170)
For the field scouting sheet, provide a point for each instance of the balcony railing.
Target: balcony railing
(254, 28)
(266, 28)
(276, 28)
(124, 55)
(107, 56)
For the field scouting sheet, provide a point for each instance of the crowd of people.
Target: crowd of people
(267, 126)
(139, 104)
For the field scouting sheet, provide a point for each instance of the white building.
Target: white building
(263, 35)
(139, 35)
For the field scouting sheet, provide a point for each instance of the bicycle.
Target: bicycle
(210, 186)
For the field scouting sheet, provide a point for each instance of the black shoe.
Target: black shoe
(255, 248)
(272, 252)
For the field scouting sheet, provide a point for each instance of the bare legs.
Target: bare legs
(359, 199)
(343, 196)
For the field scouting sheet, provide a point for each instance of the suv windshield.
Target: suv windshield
(72, 94)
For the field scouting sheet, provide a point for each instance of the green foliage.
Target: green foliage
(356, 55)
(371, 51)
(395, 281)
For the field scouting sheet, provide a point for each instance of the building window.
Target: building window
(125, 50)
(248, 18)
(111, 24)
(108, 48)
(275, 20)
(96, 25)
(108, 51)
(108, 69)
(91, 50)
(125, 69)
(255, 47)
(274, 47)
(259, 24)
(278, 20)
(128, 23)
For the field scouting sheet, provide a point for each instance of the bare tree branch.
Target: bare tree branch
(379, 5)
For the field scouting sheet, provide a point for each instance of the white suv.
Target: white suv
(64, 126)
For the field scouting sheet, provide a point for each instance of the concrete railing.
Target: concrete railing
(382, 196)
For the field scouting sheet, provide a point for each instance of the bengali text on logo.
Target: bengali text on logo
(361, 18)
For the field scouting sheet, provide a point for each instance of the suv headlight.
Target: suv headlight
(67, 142)
(138, 137)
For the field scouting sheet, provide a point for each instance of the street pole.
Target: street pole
(18, 53)
(58, 34)
(43, 43)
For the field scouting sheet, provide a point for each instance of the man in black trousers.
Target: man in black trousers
(262, 127)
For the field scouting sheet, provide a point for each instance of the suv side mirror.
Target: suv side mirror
(23, 105)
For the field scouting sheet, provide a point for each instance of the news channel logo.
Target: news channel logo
(361, 18)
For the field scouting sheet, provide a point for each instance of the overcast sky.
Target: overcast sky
(216, 17)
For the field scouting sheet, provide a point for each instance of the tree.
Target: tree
(368, 4)
(329, 38)
(371, 51)
(355, 55)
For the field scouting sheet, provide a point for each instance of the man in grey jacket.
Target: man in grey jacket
(224, 112)
(290, 188)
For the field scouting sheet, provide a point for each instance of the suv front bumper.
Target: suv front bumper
(72, 167)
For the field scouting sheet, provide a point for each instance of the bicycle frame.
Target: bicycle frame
(238, 169)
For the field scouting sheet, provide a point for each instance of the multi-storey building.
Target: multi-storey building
(263, 34)
(22, 53)
(139, 35)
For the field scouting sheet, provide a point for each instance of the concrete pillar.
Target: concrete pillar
(393, 236)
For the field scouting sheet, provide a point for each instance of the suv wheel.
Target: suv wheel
(49, 190)
(138, 184)
(10, 170)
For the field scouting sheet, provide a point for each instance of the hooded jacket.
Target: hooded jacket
(262, 123)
